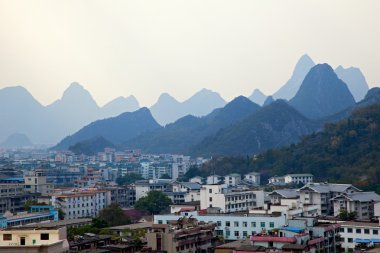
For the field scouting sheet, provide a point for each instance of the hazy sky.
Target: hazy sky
(118, 48)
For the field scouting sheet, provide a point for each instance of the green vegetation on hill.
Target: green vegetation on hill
(91, 146)
(345, 152)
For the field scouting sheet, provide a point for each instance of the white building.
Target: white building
(276, 180)
(86, 203)
(213, 179)
(232, 179)
(229, 199)
(142, 187)
(196, 179)
(231, 226)
(298, 178)
(362, 203)
(356, 233)
(180, 166)
(321, 194)
(191, 190)
(253, 177)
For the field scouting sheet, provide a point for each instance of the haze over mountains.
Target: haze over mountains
(21, 113)
(241, 126)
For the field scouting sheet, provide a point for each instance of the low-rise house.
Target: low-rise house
(191, 190)
(232, 179)
(362, 203)
(276, 180)
(196, 179)
(213, 179)
(277, 195)
(34, 240)
(253, 177)
(298, 178)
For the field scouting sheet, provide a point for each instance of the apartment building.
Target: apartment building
(359, 235)
(322, 194)
(142, 187)
(230, 199)
(191, 190)
(231, 226)
(362, 203)
(80, 204)
(186, 235)
(36, 182)
(13, 196)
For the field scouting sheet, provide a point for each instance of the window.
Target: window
(366, 231)
(245, 224)
(210, 198)
(227, 224)
(236, 223)
(375, 232)
(271, 224)
(349, 230)
(349, 240)
(159, 221)
(227, 233)
(253, 224)
(7, 237)
(245, 233)
(262, 224)
(358, 231)
(45, 237)
(209, 190)
(236, 233)
(341, 230)
(219, 223)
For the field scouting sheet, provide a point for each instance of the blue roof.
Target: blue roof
(374, 240)
(14, 179)
(292, 229)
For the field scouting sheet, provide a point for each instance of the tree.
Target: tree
(128, 179)
(165, 176)
(154, 202)
(61, 214)
(113, 215)
(347, 216)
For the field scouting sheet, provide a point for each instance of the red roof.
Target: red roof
(273, 239)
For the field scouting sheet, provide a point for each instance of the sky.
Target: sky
(140, 47)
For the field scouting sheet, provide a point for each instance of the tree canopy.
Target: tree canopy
(128, 179)
(113, 215)
(154, 203)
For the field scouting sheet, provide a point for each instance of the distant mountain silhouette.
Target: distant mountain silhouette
(74, 110)
(258, 97)
(268, 101)
(16, 140)
(322, 93)
(355, 81)
(275, 125)
(167, 109)
(116, 130)
(91, 146)
(119, 105)
(21, 113)
(181, 135)
(290, 88)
